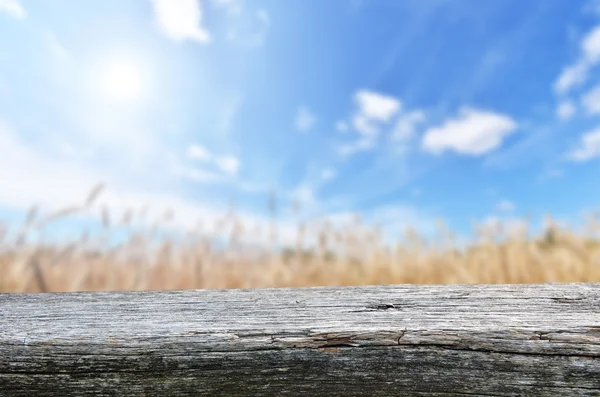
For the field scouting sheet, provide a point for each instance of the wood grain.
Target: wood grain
(395, 340)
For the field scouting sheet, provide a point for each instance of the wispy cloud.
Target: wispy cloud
(591, 101)
(199, 175)
(13, 8)
(305, 119)
(592, 6)
(181, 20)
(588, 148)
(577, 73)
(341, 126)
(328, 174)
(474, 132)
(406, 124)
(530, 149)
(506, 206)
(373, 110)
(227, 164)
(552, 173)
(355, 147)
(249, 30)
(365, 126)
(234, 7)
(32, 173)
(265, 23)
(566, 109)
(199, 152)
(263, 16)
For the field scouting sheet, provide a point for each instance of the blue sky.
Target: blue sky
(404, 111)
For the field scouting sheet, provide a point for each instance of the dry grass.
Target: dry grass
(354, 255)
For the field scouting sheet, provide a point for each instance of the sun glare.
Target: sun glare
(122, 80)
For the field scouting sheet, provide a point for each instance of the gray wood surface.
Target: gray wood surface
(396, 340)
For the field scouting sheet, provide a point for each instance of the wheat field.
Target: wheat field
(352, 255)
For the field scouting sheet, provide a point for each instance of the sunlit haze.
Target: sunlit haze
(121, 80)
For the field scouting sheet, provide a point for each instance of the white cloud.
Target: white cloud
(328, 174)
(591, 45)
(374, 109)
(377, 106)
(474, 132)
(375, 113)
(341, 126)
(355, 147)
(199, 152)
(305, 119)
(576, 74)
(571, 76)
(591, 101)
(364, 125)
(228, 164)
(181, 19)
(589, 147)
(406, 124)
(505, 206)
(347, 149)
(565, 110)
(13, 8)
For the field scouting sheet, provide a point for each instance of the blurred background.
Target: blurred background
(175, 144)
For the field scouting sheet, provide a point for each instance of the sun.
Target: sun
(122, 80)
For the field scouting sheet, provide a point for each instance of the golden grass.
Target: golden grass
(350, 256)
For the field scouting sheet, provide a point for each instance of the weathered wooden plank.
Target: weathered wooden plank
(396, 340)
